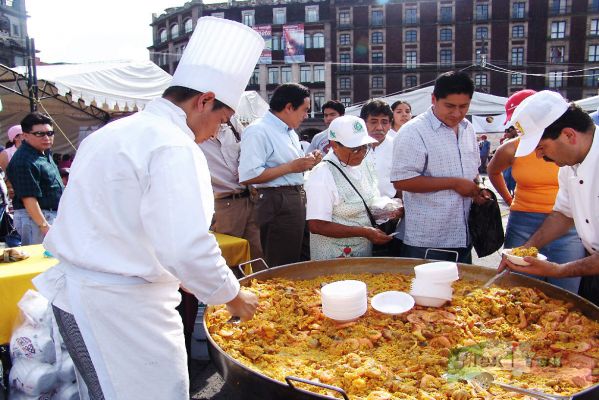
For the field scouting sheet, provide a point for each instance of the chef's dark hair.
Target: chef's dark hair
(574, 117)
(286, 93)
(179, 94)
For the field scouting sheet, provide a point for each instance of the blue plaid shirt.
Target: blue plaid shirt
(34, 174)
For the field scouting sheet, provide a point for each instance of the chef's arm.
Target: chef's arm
(555, 225)
(584, 267)
(35, 213)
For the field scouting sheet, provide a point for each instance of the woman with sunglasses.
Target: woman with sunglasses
(338, 190)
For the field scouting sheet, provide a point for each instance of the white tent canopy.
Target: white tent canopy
(420, 100)
(590, 104)
(126, 85)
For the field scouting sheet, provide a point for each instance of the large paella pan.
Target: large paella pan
(525, 332)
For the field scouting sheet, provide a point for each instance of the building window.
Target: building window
(445, 35)
(377, 82)
(558, 7)
(517, 31)
(556, 79)
(411, 81)
(318, 40)
(188, 25)
(446, 56)
(307, 41)
(162, 35)
(377, 58)
(557, 54)
(517, 79)
(411, 36)
(345, 83)
(247, 17)
(446, 14)
(286, 75)
(480, 80)
(480, 52)
(377, 38)
(411, 59)
(255, 78)
(558, 29)
(273, 76)
(377, 18)
(345, 60)
(518, 10)
(218, 15)
(312, 14)
(344, 18)
(594, 31)
(411, 16)
(345, 39)
(481, 33)
(594, 6)
(279, 16)
(319, 73)
(305, 73)
(517, 56)
(318, 102)
(594, 53)
(481, 12)
(346, 101)
(276, 42)
(592, 78)
(175, 31)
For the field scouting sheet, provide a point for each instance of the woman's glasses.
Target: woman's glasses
(41, 134)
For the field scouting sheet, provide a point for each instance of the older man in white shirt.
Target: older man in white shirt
(564, 134)
(133, 227)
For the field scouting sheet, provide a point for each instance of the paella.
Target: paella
(519, 334)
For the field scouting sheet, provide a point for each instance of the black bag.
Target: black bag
(486, 228)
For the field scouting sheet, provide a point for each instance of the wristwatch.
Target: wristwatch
(44, 225)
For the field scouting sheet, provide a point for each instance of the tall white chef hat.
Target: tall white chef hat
(220, 57)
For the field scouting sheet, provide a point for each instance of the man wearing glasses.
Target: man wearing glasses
(35, 180)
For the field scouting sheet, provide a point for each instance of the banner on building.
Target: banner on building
(294, 43)
(266, 32)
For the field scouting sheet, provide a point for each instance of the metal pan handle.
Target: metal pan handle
(322, 385)
(457, 255)
(248, 269)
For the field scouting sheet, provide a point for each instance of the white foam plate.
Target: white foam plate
(392, 302)
(520, 260)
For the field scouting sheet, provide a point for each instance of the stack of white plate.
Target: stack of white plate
(432, 285)
(344, 300)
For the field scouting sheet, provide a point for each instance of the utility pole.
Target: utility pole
(31, 74)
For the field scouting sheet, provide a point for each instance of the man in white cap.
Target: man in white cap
(564, 134)
(133, 227)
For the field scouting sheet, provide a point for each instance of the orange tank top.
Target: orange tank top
(536, 184)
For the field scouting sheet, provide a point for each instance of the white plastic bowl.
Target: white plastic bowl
(392, 302)
(421, 287)
(520, 260)
(442, 271)
(429, 301)
(343, 315)
(344, 300)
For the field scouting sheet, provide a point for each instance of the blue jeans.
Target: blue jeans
(520, 227)
(510, 182)
(464, 253)
(29, 231)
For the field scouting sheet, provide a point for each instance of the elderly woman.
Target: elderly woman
(337, 190)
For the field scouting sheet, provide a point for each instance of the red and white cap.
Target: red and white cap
(514, 100)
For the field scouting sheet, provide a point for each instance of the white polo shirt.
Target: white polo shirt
(578, 196)
(382, 158)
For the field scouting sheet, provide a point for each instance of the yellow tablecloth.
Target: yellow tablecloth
(15, 278)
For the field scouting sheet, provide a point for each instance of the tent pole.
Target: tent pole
(29, 76)
(34, 69)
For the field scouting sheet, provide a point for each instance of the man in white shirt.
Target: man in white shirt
(564, 134)
(330, 110)
(133, 227)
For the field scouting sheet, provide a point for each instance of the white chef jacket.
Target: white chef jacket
(382, 158)
(578, 196)
(139, 203)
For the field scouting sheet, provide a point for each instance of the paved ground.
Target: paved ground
(206, 383)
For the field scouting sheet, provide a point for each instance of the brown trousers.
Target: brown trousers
(281, 216)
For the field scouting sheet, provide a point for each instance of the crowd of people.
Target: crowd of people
(133, 225)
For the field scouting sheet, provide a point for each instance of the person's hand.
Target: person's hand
(466, 188)
(303, 163)
(243, 306)
(535, 267)
(44, 229)
(397, 214)
(482, 197)
(377, 236)
(317, 154)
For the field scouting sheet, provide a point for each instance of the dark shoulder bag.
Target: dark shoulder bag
(486, 227)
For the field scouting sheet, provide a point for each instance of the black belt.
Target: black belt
(289, 188)
(233, 196)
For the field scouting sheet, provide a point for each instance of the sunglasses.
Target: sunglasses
(41, 134)
(356, 150)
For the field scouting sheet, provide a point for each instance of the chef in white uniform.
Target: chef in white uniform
(133, 227)
(564, 134)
